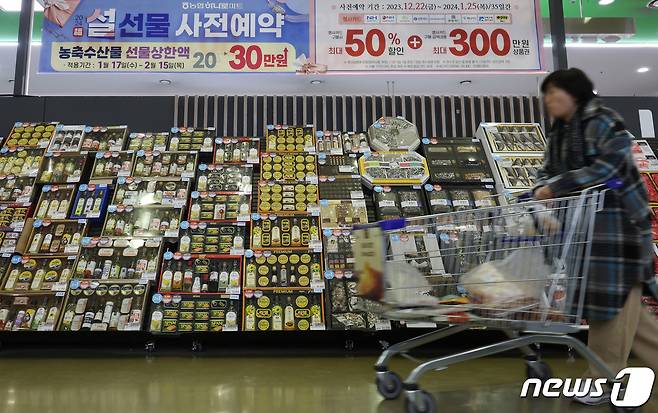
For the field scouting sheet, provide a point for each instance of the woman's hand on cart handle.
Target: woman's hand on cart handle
(544, 192)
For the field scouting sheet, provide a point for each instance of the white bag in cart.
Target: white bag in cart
(520, 276)
(406, 286)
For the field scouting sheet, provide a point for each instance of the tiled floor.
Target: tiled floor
(267, 385)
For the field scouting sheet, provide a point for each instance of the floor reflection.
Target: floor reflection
(272, 385)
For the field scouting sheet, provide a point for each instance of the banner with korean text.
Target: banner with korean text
(175, 36)
(430, 35)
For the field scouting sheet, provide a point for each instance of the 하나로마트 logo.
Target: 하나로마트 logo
(637, 392)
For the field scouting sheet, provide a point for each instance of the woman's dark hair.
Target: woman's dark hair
(573, 81)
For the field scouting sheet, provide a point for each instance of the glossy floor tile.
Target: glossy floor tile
(268, 385)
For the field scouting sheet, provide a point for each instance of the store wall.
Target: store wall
(442, 116)
(149, 113)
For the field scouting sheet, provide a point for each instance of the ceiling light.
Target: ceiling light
(465, 82)
(15, 5)
(316, 82)
(596, 92)
(165, 82)
(653, 4)
(643, 69)
(605, 2)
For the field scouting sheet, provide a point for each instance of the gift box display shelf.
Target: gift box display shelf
(94, 306)
(67, 138)
(393, 168)
(91, 202)
(236, 150)
(389, 134)
(119, 259)
(105, 138)
(191, 139)
(290, 139)
(62, 168)
(30, 311)
(30, 135)
(21, 162)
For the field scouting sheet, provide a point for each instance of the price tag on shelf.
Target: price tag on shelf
(345, 169)
(59, 286)
(244, 217)
(18, 226)
(149, 276)
(315, 245)
(59, 294)
(381, 325)
(179, 202)
(336, 151)
(187, 175)
(143, 281)
(314, 210)
(439, 201)
(171, 233)
(312, 179)
(21, 300)
(73, 179)
(356, 194)
(99, 327)
(234, 297)
(233, 290)
(123, 172)
(94, 215)
(317, 286)
(318, 327)
(237, 251)
(252, 160)
(71, 249)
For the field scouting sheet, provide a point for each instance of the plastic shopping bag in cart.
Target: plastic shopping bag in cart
(518, 280)
(395, 282)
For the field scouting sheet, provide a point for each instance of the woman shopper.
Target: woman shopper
(588, 145)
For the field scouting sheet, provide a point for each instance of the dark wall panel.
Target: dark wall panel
(153, 113)
(24, 109)
(628, 108)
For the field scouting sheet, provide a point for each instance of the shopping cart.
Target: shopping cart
(520, 268)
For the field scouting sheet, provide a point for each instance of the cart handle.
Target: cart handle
(614, 183)
(386, 225)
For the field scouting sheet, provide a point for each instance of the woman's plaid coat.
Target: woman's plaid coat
(622, 247)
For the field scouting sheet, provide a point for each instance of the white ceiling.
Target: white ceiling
(613, 70)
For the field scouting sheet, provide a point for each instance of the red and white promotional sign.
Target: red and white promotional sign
(431, 35)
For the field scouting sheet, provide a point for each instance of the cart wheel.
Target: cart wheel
(538, 370)
(389, 385)
(425, 403)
